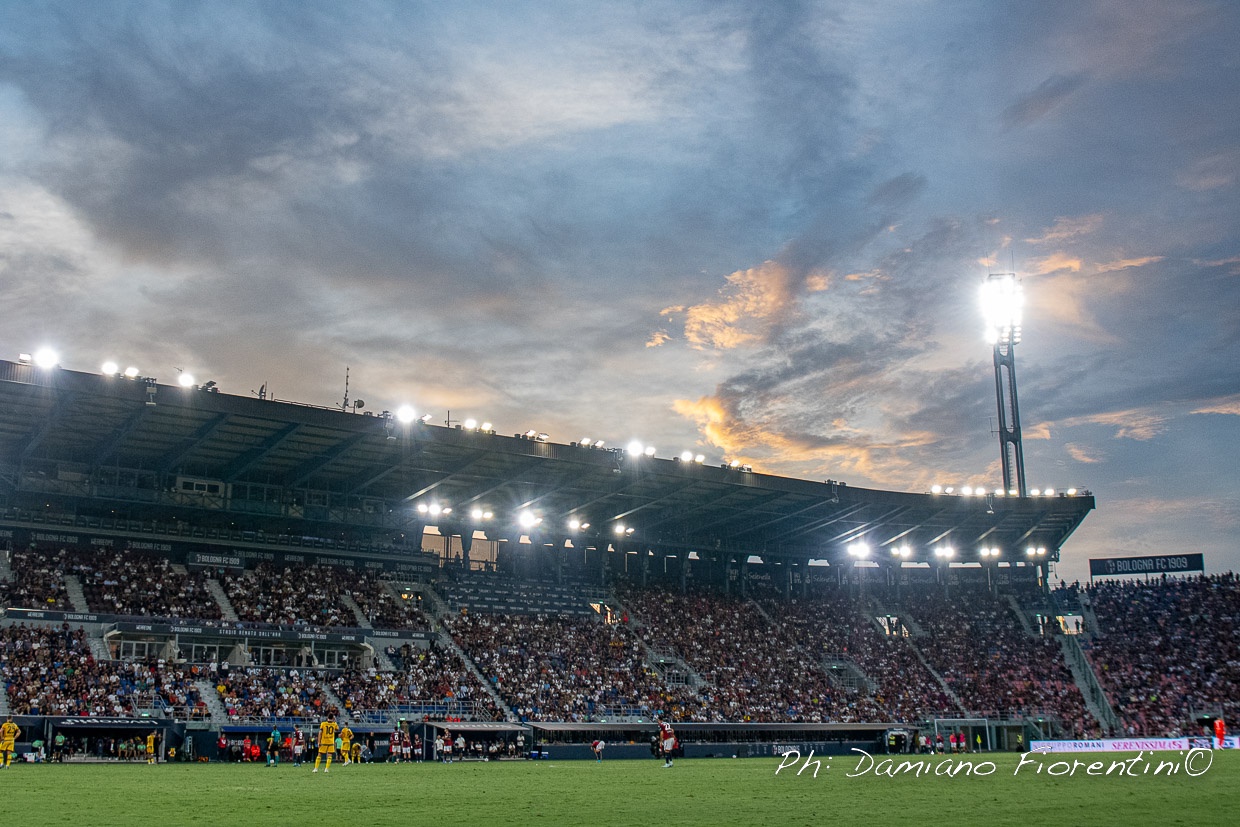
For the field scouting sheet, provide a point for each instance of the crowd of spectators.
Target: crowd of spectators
(563, 668)
(829, 622)
(996, 668)
(264, 693)
(1168, 650)
(433, 677)
(302, 595)
(751, 672)
(51, 671)
(125, 582)
(37, 581)
(381, 608)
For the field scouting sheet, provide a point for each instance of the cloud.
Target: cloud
(1228, 405)
(1054, 263)
(1138, 424)
(1038, 104)
(659, 337)
(751, 302)
(1066, 229)
(1126, 263)
(1083, 453)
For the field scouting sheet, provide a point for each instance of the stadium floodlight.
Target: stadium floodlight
(46, 358)
(542, 437)
(634, 448)
(424, 418)
(858, 549)
(110, 368)
(989, 552)
(1071, 492)
(902, 551)
(1035, 492)
(574, 524)
(470, 424)
(1002, 305)
(185, 380)
(967, 491)
(936, 489)
(699, 458)
(406, 414)
(649, 451)
(528, 519)
(25, 358)
(949, 489)
(131, 372)
(620, 529)
(944, 552)
(1003, 302)
(1036, 551)
(585, 442)
(686, 456)
(486, 426)
(1048, 492)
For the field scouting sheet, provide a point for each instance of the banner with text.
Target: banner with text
(1160, 564)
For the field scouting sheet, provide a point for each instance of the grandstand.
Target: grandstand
(219, 564)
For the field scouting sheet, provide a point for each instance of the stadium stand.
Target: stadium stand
(1168, 653)
(996, 668)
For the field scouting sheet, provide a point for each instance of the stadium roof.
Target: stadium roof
(107, 439)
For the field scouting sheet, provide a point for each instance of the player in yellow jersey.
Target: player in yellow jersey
(346, 744)
(150, 748)
(8, 736)
(327, 743)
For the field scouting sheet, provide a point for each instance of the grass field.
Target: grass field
(694, 792)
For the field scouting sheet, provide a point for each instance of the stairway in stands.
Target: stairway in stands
(77, 597)
(219, 715)
(445, 640)
(358, 615)
(221, 597)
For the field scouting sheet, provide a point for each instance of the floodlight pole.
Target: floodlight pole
(1009, 418)
(1006, 334)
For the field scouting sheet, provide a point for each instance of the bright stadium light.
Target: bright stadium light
(470, 424)
(185, 380)
(634, 448)
(858, 549)
(686, 456)
(620, 529)
(528, 519)
(649, 451)
(1003, 301)
(46, 358)
(936, 489)
(574, 524)
(131, 372)
(901, 551)
(110, 368)
(406, 414)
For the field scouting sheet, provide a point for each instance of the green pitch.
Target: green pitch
(693, 792)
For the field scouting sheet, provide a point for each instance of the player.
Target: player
(150, 747)
(355, 753)
(273, 747)
(346, 744)
(327, 743)
(597, 746)
(667, 740)
(299, 745)
(9, 733)
(1220, 732)
(447, 747)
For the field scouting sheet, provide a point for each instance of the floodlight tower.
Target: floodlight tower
(1002, 300)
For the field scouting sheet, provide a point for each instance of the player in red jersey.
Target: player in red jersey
(597, 746)
(667, 740)
(1220, 732)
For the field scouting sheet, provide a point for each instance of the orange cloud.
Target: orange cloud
(751, 301)
(1054, 263)
(1067, 228)
(1229, 405)
(658, 338)
(1080, 453)
(772, 451)
(1140, 424)
(1125, 263)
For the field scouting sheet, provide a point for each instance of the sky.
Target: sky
(752, 230)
